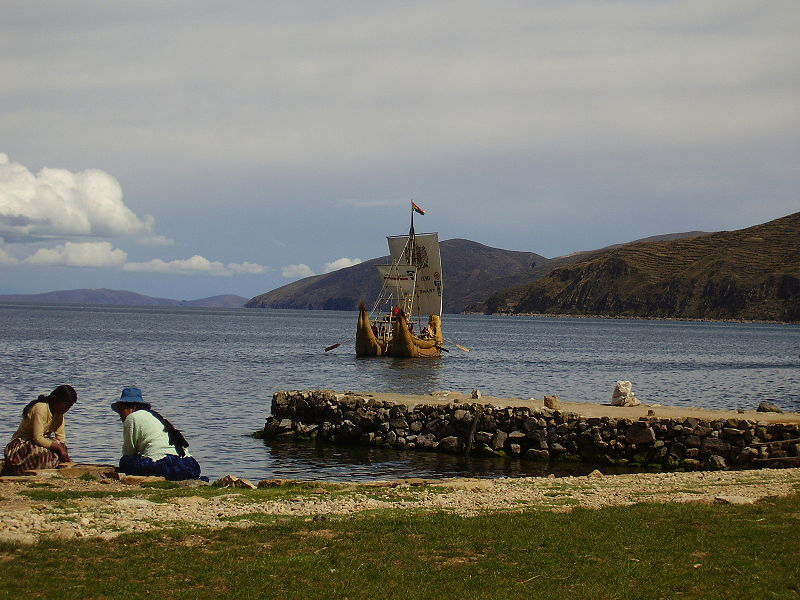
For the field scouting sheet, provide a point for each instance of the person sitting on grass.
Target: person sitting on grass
(41, 441)
(151, 445)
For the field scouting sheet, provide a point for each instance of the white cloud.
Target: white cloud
(247, 268)
(340, 263)
(196, 265)
(297, 271)
(72, 254)
(57, 203)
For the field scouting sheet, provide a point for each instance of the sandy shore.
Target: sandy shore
(107, 508)
(592, 410)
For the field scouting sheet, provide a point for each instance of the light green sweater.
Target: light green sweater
(144, 435)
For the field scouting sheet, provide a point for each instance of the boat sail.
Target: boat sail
(412, 289)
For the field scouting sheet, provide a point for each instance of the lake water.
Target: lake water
(212, 372)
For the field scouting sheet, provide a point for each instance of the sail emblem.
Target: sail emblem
(419, 258)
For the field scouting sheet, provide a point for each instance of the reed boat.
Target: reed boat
(411, 291)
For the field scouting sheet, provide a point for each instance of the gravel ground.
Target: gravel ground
(108, 508)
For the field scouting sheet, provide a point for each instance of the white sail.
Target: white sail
(428, 261)
(398, 278)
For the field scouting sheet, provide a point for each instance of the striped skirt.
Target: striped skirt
(23, 455)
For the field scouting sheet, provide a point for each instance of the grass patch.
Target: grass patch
(166, 493)
(64, 495)
(642, 551)
(41, 484)
(564, 501)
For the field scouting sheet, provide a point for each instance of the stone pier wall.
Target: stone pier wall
(535, 434)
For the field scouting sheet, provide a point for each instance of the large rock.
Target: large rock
(716, 446)
(537, 455)
(640, 433)
(716, 462)
(552, 402)
(234, 482)
(768, 407)
(483, 437)
(623, 395)
(449, 444)
(499, 440)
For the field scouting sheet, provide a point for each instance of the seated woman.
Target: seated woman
(41, 441)
(150, 444)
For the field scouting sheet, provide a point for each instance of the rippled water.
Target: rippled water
(213, 373)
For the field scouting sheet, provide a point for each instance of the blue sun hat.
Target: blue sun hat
(130, 395)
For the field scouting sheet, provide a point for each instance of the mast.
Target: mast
(411, 261)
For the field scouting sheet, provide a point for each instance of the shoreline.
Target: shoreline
(633, 318)
(70, 508)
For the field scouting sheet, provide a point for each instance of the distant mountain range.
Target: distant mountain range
(752, 273)
(472, 273)
(120, 298)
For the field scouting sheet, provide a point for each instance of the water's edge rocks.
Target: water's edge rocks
(541, 434)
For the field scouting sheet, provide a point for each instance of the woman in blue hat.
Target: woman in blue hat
(150, 444)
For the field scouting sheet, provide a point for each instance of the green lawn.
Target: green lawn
(646, 551)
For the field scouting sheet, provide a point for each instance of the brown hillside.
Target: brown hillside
(752, 273)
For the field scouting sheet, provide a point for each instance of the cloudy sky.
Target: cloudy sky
(190, 148)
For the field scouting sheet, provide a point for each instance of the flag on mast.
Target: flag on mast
(416, 208)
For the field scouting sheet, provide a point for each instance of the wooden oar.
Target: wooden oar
(459, 346)
(337, 344)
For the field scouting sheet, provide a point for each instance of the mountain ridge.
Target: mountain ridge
(750, 274)
(108, 297)
(472, 272)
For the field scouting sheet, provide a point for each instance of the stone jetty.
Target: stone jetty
(542, 430)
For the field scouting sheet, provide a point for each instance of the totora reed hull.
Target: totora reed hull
(401, 343)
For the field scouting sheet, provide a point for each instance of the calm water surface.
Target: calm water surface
(212, 372)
